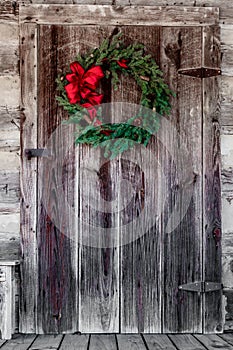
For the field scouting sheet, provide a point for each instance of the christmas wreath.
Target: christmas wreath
(80, 97)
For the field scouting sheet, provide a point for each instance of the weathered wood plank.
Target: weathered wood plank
(93, 14)
(227, 212)
(99, 262)
(228, 309)
(9, 191)
(103, 342)
(227, 269)
(57, 237)
(6, 303)
(227, 153)
(183, 310)
(9, 161)
(74, 342)
(213, 341)
(46, 342)
(9, 58)
(228, 337)
(10, 119)
(227, 246)
(9, 42)
(9, 142)
(19, 342)
(62, 2)
(226, 100)
(130, 342)
(159, 3)
(9, 222)
(217, 3)
(213, 321)
(10, 84)
(9, 248)
(9, 11)
(140, 264)
(186, 342)
(226, 15)
(158, 342)
(28, 180)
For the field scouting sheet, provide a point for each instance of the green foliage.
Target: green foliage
(155, 95)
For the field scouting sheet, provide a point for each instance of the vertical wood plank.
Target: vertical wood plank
(183, 246)
(6, 303)
(57, 244)
(213, 321)
(99, 263)
(28, 180)
(140, 264)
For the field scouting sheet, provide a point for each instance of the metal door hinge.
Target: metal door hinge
(37, 152)
(2, 276)
(201, 287)
(200, 72)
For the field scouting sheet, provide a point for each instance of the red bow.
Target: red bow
(82, 84)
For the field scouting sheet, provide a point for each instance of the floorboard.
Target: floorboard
(213, 342)
(228, 337)
(19, 342)
(2, 342)
(75, 342)
(119, 342)
(103, 342)
(158, 342)
(130, 342)
(186, 342)
(46, 342)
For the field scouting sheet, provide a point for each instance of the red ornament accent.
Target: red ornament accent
(83, 84)
(122, 63)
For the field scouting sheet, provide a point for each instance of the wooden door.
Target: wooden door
(70, 284)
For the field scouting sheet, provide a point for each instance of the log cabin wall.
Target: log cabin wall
(10, 125)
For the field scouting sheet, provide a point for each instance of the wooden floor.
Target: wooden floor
(119, 342)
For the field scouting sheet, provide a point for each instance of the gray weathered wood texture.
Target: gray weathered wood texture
(57, 249)
(47, 342)
(82, 14)
(182, 341)
(140, 260)
(19, 342)
(6, 298)
(133, 342)
(73, 342)
(108, 342)
(182, 311)
(8, 108)
(212, 342)
(158, 341)
(212, 229)
(134, 288)
(29, 268)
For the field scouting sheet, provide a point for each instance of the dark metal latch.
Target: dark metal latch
(201, 287)
(37, 152)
